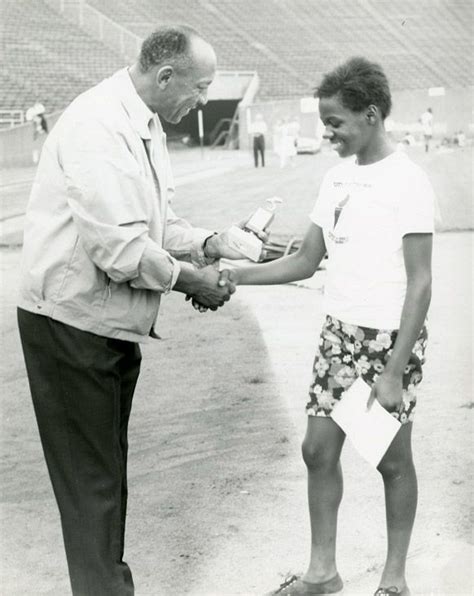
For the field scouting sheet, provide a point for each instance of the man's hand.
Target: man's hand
(388, 391)
(217, 246)
(226, 278)
(213, 290)
(198, 306)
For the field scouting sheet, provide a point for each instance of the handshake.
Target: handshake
(217, 288)
(207, 288)
(214, 290)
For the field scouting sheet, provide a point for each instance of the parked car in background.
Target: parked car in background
(307, 145)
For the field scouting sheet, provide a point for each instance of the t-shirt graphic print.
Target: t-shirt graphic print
(337, 214)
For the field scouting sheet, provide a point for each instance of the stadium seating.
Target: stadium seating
(421, 43)
(47, 59)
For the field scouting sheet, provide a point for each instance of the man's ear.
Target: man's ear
(371, 114)
(163, 76)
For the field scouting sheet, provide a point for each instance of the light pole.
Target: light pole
(201, 132)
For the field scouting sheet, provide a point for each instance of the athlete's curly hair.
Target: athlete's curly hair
(359, 83)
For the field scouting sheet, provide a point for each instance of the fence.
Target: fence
(99, 26)
(10, 118)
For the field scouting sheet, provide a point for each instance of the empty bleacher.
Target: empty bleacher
(46, 58)
(421, 43)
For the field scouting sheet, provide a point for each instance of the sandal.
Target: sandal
(392, 591)
(295, 586)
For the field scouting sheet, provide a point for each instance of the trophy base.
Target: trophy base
(246, 243)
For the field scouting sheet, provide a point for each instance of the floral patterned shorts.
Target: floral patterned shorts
(346, 352)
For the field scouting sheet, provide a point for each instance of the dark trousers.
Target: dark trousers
(82, 388)
(259, 147)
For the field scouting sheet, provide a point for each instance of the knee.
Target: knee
(396, 469)
(318, 457)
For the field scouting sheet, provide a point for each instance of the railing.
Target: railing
(232, 139)
(218, 128)
(228, 84)
(99, 26)
(11, 118)
(221, 139)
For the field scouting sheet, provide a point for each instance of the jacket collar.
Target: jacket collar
(138, 112)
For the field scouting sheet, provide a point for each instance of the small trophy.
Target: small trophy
(245, 240)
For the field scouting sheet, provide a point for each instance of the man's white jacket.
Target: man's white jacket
(101, 243)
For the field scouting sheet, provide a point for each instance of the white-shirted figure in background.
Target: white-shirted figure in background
(36, 114)
(277, 134)
(285, 134)
(374, 217)
(289, 139)
(258, 130)
(426, 120)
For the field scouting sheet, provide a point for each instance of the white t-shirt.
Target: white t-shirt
(364, 212)
(426, 120)
(258, 127)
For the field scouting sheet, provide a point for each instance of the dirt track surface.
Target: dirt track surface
(217, 503)
(217, 487)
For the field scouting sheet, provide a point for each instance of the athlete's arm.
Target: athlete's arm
(300, 265)
(417, 249)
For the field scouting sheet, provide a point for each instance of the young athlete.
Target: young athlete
(375, 218)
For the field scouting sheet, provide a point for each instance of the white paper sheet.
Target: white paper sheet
(370, 431)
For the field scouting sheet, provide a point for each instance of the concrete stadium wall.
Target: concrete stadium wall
(452, 111)
(17, 145)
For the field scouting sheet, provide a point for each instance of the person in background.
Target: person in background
(408, 139)
(460, 138)
(40, 127)
(426, 120)
(288, 142)
(258, 130)
(374, 217)
(102, 245)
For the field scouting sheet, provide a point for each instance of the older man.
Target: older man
(101, 246)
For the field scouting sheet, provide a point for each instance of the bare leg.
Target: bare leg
(401, 494)
(321, 452)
